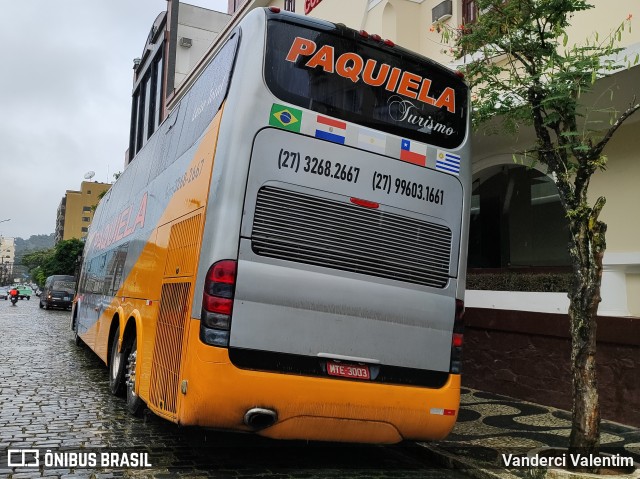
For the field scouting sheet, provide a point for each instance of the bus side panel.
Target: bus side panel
(179, 190)
(128, 214)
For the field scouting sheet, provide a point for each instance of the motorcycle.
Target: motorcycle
(14, 300)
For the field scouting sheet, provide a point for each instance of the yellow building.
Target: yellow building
(76, 210)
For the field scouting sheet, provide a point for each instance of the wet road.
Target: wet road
(54, 397)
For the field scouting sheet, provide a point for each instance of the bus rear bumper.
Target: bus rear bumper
(219, 395)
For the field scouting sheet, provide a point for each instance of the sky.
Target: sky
(65, 98)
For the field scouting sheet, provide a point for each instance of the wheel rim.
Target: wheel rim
(131, 373)
(115, 362)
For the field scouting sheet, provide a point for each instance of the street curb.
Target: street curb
(468, 466)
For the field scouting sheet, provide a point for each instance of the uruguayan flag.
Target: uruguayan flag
(448, 162)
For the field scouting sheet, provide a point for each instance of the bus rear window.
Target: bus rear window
(64, 285)
(343, 76)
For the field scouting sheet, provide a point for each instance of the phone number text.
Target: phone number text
(410, 189)
(293, 160)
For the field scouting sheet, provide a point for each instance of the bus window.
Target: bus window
(390, 90)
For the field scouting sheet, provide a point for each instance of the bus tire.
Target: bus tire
(135, 405)
(117, 360)
(76, 337)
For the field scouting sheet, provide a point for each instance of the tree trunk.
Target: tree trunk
(586, 253)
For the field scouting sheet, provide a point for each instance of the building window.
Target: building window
(142, 117)
(234, 5)
(157, 97)
(469, 11)
(85, 229)
(86, 219)
(146, 104)
(290, 5)
(86, 208)
(134, 122)
(516, 220)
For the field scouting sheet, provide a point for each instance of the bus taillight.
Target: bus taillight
(457, 338)
(217, 303)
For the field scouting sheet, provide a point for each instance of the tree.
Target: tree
(34, 261)
(65, 257)
(61, 259)
(523, 73)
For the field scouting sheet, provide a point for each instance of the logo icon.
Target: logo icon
(285, 117)
(23, 458)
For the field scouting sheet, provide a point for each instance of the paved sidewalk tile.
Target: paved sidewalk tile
(490, 426)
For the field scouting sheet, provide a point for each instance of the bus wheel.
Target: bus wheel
(76, 336)
(116, 366)
(135, 405)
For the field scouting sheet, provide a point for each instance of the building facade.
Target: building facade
(517, 222)
(7, 259)
(177, 40)
(76, 208)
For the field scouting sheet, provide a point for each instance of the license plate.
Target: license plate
(66, 298)
(348, 370)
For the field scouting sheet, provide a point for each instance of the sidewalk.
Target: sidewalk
(490, 425)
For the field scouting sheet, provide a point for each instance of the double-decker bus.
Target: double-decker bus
(286, 255)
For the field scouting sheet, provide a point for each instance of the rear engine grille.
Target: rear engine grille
(308, 229)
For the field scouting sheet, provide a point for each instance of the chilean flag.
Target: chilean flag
(413, 152)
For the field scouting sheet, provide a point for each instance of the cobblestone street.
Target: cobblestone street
(54, 396)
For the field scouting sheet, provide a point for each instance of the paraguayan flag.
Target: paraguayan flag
(372, 140)
(448, 162)
(331, 129)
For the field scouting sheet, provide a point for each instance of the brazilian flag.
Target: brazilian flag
(285, 117)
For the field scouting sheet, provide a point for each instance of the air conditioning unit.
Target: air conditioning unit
(186, 42)
(442, 11)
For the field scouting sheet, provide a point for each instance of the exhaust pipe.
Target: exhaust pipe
(259, 418)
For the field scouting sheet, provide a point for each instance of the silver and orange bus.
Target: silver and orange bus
(286, 255)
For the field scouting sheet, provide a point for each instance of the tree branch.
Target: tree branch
(602, 143)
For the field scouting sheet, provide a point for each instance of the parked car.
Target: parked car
(4, 293)
(58, 292)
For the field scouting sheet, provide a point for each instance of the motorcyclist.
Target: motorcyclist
(14, 295)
